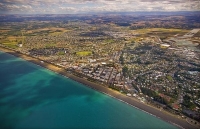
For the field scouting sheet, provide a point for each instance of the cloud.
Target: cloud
(68, 9)
(79, 6)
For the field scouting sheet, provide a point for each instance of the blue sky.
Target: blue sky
(88, 6)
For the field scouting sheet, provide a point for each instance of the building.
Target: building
(164, 45)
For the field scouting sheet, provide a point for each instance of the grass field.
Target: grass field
(161, 32)
(50, 45)
(12, 41)
(10, 44)
(54, 33)
(46, 31)
(83, 53)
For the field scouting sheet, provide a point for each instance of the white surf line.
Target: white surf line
(130, 104)
(49, 69)
(120, 100)
(176, 125)
(143, 110)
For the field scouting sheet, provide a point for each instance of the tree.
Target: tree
(125, 71)
(121, 58)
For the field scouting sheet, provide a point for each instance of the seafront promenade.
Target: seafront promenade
(181, 123)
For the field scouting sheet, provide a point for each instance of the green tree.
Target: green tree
(121, 59)
(125, 71)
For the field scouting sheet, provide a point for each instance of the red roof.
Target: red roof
(175, 106)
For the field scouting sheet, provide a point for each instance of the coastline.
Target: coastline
(180, 123)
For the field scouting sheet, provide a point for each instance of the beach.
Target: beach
(181, 123)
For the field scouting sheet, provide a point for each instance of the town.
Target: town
(157, 65)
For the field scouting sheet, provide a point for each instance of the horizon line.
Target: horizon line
(99, 13)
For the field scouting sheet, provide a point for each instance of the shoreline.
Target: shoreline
(163, 115)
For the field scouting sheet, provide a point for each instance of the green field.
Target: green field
(10, 44)
(11, 41)
(46, 31)
(84, 53)
(163, 33)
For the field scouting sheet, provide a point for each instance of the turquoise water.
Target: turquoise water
(34, 97)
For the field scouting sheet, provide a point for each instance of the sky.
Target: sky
(92, 6)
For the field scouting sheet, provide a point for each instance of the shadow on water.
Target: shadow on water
(25, 87)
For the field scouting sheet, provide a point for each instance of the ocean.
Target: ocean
(33, 97)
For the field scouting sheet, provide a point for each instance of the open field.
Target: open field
(83, 53)
(161, 32)
(12, 41)
(46, 31)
